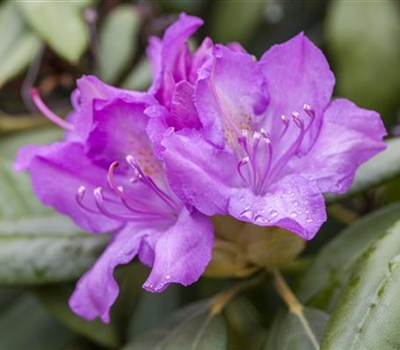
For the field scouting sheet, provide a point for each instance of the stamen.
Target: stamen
(48, 113)
(149, 181)
(286, 123)
(244, 161)
(79, 198)
(307, 108)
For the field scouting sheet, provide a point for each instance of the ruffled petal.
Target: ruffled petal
(57, 171)
(168, 57)
(120, 130)
(91, 88)
(297, 73)
(197, 172)
(349, 136)
(97, 290)
(293, 203)
(229, 99)
(182, 252)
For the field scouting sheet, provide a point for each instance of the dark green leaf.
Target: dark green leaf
(60, 24)
(244, 327)
(235, 20)
(24, 324)
(18, 47)
(193, 327)
(288, 332)
(366, 52)
(55, 299)
(36, 244)
(118, 41)
(367, 315)
(379, 170)
(140, 77)
(331, 269)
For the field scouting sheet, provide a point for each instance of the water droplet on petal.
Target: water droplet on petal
(296, 203)
(248, 214)
(307, 212)
(242, 199)
(309, 220)
(273, 213)
(167, 277)
(293, 214)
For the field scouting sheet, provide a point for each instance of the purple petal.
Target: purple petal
(197, 172)
(89, 89)
(182, 252)
(57, 171)
(120, 130)
(349, 136)
(168, 58)
(297, 73)
(97, 290)
(229, 98)
(183, 111)
(293, 203)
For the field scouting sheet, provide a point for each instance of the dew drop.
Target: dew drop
(309, 220)
(248, 214)
(167, 277)
(307, 212)
(259, 219)
(293, 214)
(273, 213)
(242, 199)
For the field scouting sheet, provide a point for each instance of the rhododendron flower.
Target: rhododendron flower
(105, 176)
(269, 142)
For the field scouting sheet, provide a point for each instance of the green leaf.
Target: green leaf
(288, 332)
(36, 244)
(377, 171)
(332, 267)
(244, 326)
(193, 327)
(24, 324)
(140, 77)
(368, 313)
(366, 52)
(235, 20)
(55, 299)
(118, 41)
(60, 24)
(18, 47)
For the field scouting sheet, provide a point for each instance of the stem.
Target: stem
(293, 304)
(223, 298)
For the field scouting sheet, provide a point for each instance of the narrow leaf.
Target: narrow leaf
(332, 267)
(55, 299)
(368, 313)
(193, 327)
(118, 41)
(60, 24)
(24, 324)
(289, 332)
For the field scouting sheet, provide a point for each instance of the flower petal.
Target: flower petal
(97, 290)
(229, 98)
(57, 171)
(182, 252)
(120, 130)
(297, 73)
(349, 136)
(197, 172)
(293, 203)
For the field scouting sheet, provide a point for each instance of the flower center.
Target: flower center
(151, 203)
(263, 156)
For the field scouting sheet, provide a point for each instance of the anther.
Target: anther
(310, 112)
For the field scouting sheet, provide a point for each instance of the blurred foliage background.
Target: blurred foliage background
(50, 44)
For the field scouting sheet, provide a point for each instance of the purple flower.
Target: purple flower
(106, 177)
(269, 141)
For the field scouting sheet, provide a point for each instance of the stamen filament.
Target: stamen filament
(48, 113)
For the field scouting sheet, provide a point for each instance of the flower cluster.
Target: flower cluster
(217, 133)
